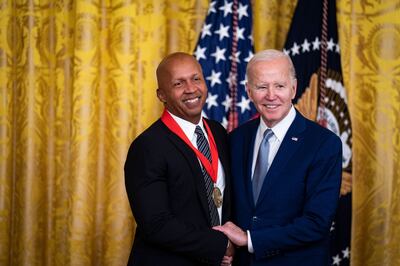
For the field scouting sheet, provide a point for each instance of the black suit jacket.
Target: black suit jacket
(167, 195)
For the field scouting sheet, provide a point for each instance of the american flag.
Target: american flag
(224, 47)
(313, 45)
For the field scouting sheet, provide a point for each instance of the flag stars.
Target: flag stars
(332, 227)
(287, 52)
(200, 53)
(305, 47)
(227, 8)
(337, 48)
(224, 122)
(346, 253)
(316, 43)
(237, 54)
(250, 37)
(211, 9)
(206, 30)
(331, 44)
(247, 59)
(214, 78)
(336, 260)
(230, 79)
(219, 54)
(227, 102)
(211, 100)
(295, 49)
(242, 11)
(244, 104)
(240, 33)
(222, 31)
(213, 51)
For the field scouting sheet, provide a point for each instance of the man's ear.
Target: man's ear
(248, 91)
(161, 96)
(294, 87)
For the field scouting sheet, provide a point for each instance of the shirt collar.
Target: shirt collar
(187, 127)
(282, 126)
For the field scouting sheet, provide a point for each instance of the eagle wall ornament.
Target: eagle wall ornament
(335, 107)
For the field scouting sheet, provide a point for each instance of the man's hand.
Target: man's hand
(234, 233)
(228, 258)
(346, 183)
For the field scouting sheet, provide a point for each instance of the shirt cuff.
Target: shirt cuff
(249, 243)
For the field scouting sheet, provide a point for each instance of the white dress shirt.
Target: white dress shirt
(188, 128)
(275, 141)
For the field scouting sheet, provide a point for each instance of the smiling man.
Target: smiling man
(286, 174)
(177, 176)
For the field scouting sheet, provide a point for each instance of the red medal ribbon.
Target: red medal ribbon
(211, 168)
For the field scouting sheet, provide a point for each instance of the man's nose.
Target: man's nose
(270, 93)
(190, 87)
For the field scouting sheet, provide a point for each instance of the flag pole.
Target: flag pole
(324, 64)
(233, 116)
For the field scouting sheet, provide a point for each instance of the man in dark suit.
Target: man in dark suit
(286, 174)
(177, 176)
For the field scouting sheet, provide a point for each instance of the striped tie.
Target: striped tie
(261, 168)
(203, 147)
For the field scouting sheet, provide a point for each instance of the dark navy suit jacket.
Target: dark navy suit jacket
(291, 221)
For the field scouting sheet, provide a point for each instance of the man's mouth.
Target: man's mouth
(271, 106)
(192, 100)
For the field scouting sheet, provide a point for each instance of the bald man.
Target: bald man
(178, 191)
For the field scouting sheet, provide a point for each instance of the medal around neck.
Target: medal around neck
(217, 197)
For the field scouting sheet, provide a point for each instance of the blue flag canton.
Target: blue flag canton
(214, 53)
(306, 51)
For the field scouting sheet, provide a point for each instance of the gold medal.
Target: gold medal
(217, 197)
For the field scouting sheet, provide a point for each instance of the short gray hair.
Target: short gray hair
(269, 55)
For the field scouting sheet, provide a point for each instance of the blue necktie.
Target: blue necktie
(261, 168)
(204, 148)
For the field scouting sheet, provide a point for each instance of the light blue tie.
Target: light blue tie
(261, 168)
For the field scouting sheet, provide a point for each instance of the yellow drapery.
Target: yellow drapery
(77, 85)
(369, 33)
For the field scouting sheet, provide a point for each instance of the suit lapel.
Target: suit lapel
(248, 151)
(193, 162)
(291, 142)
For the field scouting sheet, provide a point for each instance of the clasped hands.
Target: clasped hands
(236, 236)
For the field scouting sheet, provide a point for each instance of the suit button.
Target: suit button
(255, 218)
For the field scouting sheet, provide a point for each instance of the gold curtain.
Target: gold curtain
(369, 34)
(77, 85)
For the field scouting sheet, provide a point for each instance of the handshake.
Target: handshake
(236, 236)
